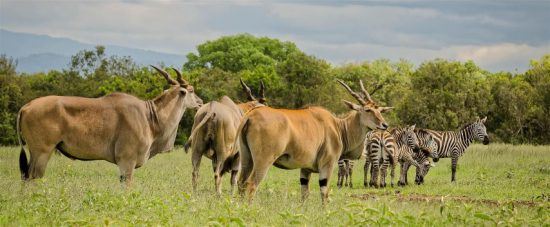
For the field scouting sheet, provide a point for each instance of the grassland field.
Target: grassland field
(496, 184)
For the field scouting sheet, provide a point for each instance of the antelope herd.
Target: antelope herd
(248, 138)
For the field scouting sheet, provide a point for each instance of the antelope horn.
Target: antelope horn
(262, 93)
(376, 88)
(262, 90)
(365, 91)
(180, 77)
(166, 76)
(247, 90)
(354, 94)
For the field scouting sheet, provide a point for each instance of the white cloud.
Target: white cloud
(504, 56)
(337, 32)
(497, 57)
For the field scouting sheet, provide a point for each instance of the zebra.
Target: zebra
(345, 170)
(407, 145)
(428, 146)
(453, 144)
(380, 145)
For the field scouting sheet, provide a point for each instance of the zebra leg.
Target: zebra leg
(350, 172)
(454, 162)
(406, 169)
(341, 170)
(401, 181)
(346, 172)
(374, 175)
(366, 171)
(383, 172)
(392, 173)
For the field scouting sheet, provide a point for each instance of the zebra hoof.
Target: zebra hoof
(401, 183)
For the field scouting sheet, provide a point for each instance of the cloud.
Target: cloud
(499, 36)
(497, 57)
(503, 56)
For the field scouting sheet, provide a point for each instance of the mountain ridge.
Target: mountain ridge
(41, 53)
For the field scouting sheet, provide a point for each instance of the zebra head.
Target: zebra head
(411, 139)
(479, 130)
(427, 144)
(425, 165)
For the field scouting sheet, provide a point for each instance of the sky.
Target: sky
(496, 35)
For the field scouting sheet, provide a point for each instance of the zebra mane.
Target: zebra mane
(467, 125)
(421, 131)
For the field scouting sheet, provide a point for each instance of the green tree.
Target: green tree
(539, 78)
(510, 109)
(11, 98)
(446, 94)
(306, 81)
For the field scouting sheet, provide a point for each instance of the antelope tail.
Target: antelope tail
(205, 119)
(247, 163)
(23, 162)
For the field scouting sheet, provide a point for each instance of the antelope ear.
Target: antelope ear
(353, 106)
(385, 109)
(183, 91)
(483, 120)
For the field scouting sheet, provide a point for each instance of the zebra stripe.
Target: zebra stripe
(380, 146)
(345, 171)
(428, 148)
(453, 144)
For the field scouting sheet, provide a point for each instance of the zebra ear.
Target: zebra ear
(483, 120)
(411, 128)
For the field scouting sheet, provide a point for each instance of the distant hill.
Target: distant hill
(36, 53)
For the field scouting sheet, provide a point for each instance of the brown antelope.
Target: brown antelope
(213, 135)
(118, 128)
(311, 139)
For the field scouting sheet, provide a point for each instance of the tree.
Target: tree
(446, 95)
(306, 81)
(11, 98)
(538, 76)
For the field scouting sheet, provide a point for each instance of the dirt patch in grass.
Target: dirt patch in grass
(441, 198)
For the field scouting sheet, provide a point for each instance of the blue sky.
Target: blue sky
(497, 35)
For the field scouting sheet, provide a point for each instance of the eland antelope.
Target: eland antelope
(311, 139)
(118, 128)
(213, 135)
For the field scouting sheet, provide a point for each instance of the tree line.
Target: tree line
(438, 94)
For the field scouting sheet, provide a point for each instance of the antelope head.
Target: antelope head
(185, 92)
(370, 112)
(261, 101)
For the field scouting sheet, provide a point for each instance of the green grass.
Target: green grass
(496, 184)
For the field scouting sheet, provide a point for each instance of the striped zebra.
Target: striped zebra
(428, 146)
(406, 146)
(345, 170)
(380, 145)
(453, 144)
